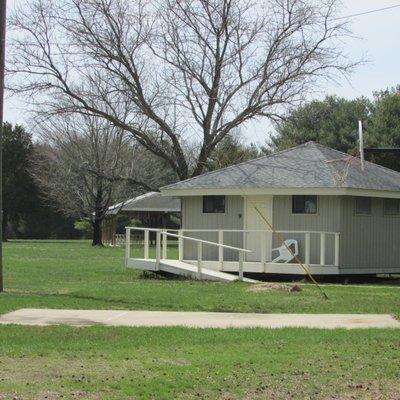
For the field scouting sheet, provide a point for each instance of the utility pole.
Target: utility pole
(3, 9)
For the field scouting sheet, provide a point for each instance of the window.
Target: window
(304, 204)
(213, 204)
(391, 207)
(363, 205)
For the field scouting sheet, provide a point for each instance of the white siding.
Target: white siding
(326, 219)
(193, 218)
(369, 241)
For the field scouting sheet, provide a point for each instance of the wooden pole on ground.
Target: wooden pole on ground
(296, 258)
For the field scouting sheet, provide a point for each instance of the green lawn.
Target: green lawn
(75, 275)
(168, 363)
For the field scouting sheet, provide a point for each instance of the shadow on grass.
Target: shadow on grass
(50, 241)
(162, 275)
(74, 296)
(125, 304)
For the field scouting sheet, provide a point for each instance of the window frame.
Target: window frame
(213, 212)
(386, 214)
(362, 214)
(306, 213)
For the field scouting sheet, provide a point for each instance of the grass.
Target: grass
(177, 363)
(75, 275)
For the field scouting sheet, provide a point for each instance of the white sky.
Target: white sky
(378, 41)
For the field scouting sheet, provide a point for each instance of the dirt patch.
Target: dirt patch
(270, 286)
(50, 395)
(33, 373)
(375, 390)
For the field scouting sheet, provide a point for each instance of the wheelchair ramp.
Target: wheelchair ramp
(181, 268)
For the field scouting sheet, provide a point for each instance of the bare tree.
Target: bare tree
(79, 165)
(170, 72)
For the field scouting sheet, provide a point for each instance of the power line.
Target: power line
(368, 12)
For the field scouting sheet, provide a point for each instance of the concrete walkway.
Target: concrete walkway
(41, 317)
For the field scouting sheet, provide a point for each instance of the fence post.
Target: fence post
(146, 244)
(241, 259)
(322, 249)
(164, 245)
(307, 248)
(180, 245)
(158, 249)
(336, 261)
(127, 245)
(221, 250)
(199, 259)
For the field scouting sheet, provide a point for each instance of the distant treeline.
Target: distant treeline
(26, 212)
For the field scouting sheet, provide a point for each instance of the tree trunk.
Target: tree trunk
(5, 225)
(96, 241)
(98, 217)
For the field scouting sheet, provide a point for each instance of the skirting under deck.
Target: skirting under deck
(269, 268)
(233, 267)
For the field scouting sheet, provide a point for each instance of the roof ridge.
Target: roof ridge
(238, 164)
(322, 146)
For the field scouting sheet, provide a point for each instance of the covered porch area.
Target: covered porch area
(150, 210)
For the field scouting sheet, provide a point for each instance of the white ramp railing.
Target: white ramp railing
(315, 247)
(321, 243)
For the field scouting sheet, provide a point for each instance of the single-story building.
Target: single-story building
(344, 216)
(151, 209)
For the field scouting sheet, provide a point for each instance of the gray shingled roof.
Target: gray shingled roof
(310, 165)
(152, 201)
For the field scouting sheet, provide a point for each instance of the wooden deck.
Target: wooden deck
(218, 268)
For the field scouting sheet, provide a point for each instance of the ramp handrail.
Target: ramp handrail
(206, 242)
(165, 234)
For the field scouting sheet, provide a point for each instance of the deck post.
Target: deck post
(221, 250)
(263, 243)
(146, 244)
(180, 245)
(158, 249)
(199, 259)
(336, 261)
(241, 259)
(307, 248)
(127, 245)
(164, 245)
(322, 248)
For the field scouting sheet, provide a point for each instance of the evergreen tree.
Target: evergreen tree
(231, 151)
(332, 122)
(384, 130)
(19, 191)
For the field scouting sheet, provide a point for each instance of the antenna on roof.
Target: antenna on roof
(361, 143)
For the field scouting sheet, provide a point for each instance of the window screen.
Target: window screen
(213, 204)
(304, 204)
(363, 205)
(391, 206)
